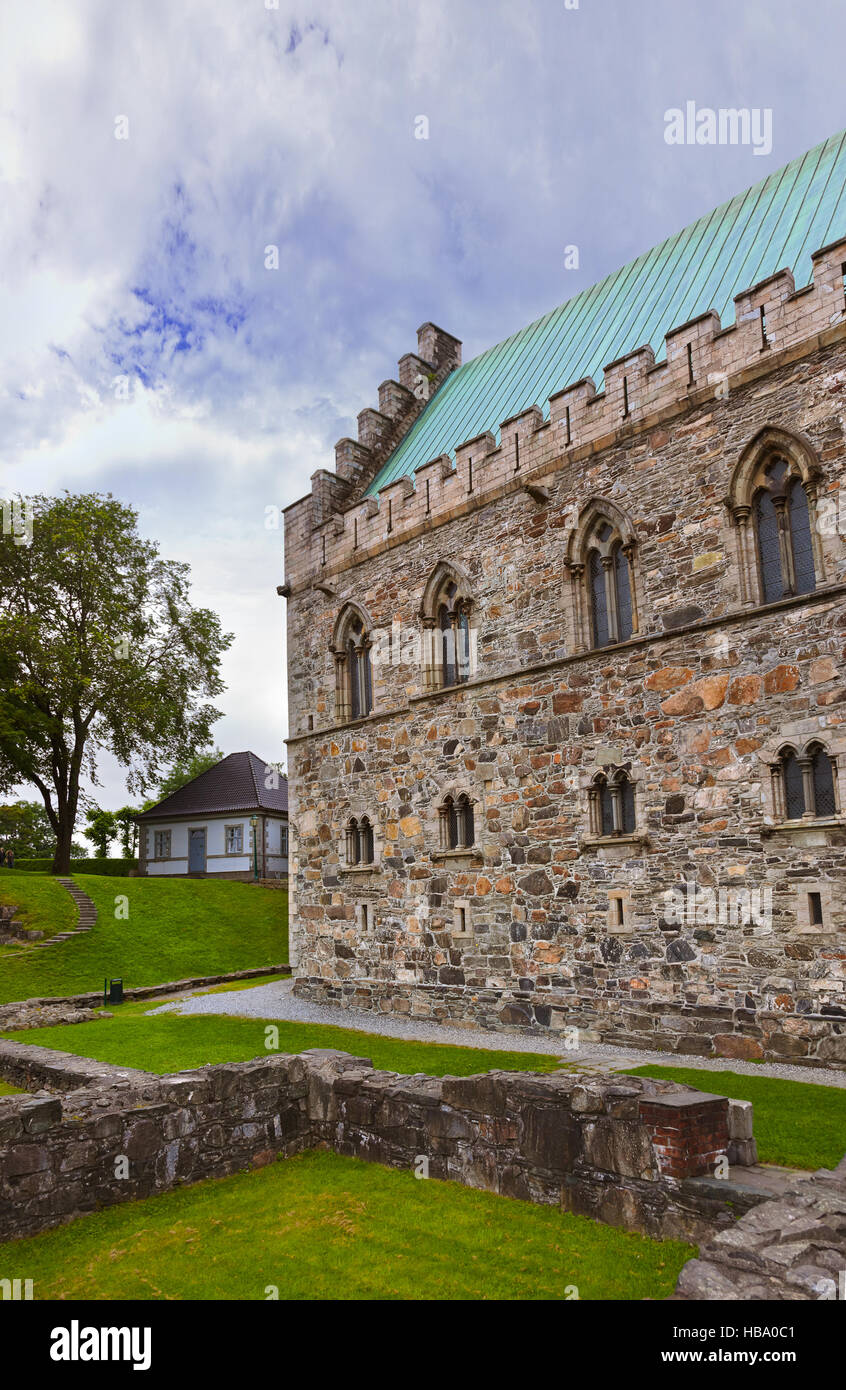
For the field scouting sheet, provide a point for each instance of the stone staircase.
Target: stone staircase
(11, 928)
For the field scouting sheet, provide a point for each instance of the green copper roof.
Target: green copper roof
(774, 225)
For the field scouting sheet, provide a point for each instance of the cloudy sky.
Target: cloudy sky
(145, 348)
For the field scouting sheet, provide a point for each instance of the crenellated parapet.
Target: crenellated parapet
(335, 526)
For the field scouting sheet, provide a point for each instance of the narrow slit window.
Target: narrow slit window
(815, 910)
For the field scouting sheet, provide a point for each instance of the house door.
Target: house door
(197, 852)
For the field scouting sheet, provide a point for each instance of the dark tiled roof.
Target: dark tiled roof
(236, 783)
(776, 224)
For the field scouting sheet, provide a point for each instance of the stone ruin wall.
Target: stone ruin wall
(694, 706)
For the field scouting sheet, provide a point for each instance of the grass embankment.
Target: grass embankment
(324, 1227)
(174, 929)
(7, 1090)
(168, 1042)
(797, 1123)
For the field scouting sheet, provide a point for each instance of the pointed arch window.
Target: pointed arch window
(805, 784)
(447, 613)
(353, 667)
(601, 564)
(772, 499)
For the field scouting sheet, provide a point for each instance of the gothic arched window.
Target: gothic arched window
(772, 500)
(353, 667)
(600, 561)
(446, 615)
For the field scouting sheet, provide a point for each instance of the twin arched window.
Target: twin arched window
(804, 784)
(446, 614)
(359, 841)
(457, 828)
(611, 805)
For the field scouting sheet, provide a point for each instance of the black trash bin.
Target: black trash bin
(116, 991)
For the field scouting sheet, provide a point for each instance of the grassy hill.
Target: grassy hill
(173, 929)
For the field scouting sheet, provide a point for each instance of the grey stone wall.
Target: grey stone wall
(694, 707)
(623, 1152)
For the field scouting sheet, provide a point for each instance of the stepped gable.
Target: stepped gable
(236, 783)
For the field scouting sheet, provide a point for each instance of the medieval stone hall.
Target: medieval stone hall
(566, 641)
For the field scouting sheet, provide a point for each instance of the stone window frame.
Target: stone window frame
(164, 835)
(612, 777)
(236, 825)
(614, 926)
(801, 736)
(461, 608)
(584, 539)
(804, 925)
(459, 936)
(748, 480)
(353, 862)
(463, 805)
(365, 916)
(804, 756)
(353, 616)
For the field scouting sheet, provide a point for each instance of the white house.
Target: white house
(230, 822)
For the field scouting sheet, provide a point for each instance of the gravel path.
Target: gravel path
(277, 1000)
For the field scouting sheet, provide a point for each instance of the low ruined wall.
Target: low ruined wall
(705, 1030)
(623, 1153)
(792, 1248)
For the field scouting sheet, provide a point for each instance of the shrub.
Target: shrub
(114, 868)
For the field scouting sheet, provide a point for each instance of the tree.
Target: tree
(127, 829)
(186, 771)
(100, 648)
(102, 828)
(25, 826)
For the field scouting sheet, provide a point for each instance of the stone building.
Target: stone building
(566, 664)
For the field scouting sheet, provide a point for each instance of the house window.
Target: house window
(611, 805)
(283, 841)
(234, 839)
(457, 826)
(351, 647)
(772, 499)
(359, 841)
(161, 844)
(805, 784)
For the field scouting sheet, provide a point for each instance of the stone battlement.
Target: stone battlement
(335, 526)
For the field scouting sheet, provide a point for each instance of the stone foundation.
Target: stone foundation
(806, 1040)
(620, 1152)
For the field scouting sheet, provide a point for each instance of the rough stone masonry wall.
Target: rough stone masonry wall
(695, 707)
(626, 1153)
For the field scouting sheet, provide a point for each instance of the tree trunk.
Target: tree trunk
(62, 857)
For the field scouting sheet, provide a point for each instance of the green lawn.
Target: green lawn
(44, 905)
(324, 1227)
(168, 1042)
(175, 929)
(797, 1123)
(7, 1090)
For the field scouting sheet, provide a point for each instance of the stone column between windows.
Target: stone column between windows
(785, 549)
(577, 577)
(610, 597)
(807, 767)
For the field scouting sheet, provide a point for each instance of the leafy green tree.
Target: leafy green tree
(102, 829)
(26, 828)
(100, 648)
(127, 830)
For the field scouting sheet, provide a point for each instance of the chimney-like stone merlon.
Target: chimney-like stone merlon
(416, 375)
(625, 382)
(329, 494)
(438, 347)
(567, 410)
(830, 279)
(760, 311)
(373, 429)
(352, 460)
(394, 399)
(689, 369)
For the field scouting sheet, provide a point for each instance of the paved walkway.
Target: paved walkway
(277, 1000)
